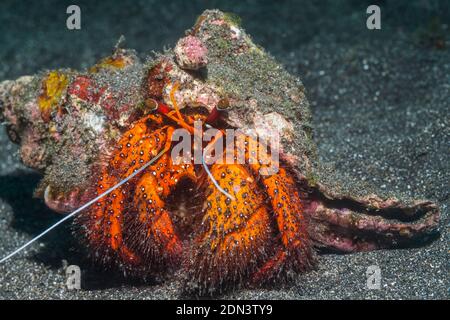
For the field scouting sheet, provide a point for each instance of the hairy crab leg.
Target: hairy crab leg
(235, 235)
(103, 224)
(100, 196)
(295, 252)
(64, 203)
(152, 233)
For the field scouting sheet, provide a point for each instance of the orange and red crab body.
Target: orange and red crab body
(252, 232)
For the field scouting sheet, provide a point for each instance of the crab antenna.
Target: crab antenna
(145, 166)
(211, 177)
(174, 89)
(205, 166)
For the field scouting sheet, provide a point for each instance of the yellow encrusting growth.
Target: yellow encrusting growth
(113, 62)
(53, 87)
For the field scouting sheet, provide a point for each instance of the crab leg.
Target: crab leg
(235, 235)
(295, 252)
(151, 231)
(103, 224)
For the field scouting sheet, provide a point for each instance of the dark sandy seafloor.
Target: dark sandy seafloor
(380, 101)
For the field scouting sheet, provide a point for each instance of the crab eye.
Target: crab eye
(151, 104)
(223, 104)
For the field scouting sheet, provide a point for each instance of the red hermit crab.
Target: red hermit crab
(241, 223)
(110, 133)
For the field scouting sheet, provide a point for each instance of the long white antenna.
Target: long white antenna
(208, 172)
(145, 166)
(211, 177)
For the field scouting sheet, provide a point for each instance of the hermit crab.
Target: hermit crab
(110, 134)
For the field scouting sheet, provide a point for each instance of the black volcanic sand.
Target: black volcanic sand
(380, 101)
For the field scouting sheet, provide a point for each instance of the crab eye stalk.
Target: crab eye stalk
(223, 104)
(151, 104)
(213, 116)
